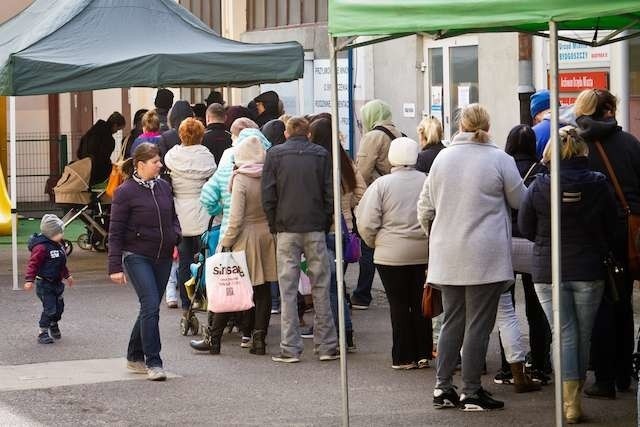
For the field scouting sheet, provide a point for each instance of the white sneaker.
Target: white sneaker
(156, 373)
(137, 367)
(406, 367)
(245, 342)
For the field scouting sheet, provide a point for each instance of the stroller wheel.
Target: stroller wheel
(101, 245)
(84, 242)
(184, 327)
(194, 325)
(68, 247)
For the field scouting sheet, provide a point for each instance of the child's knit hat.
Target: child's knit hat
(51, 226)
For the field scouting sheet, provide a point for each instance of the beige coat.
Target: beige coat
(351, 200)
(248, 230)
(372, 160)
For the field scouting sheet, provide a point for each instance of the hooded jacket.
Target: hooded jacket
(372, 160)
(215, 195)
(274, 131)
(48, 260)
(98, 143)
(588, 221)
(190, 168)
(623, 151)
(271, 102)
(169, 139)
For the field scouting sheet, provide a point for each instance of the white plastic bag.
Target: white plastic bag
(229, 287)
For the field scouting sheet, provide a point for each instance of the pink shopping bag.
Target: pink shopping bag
(229, 287)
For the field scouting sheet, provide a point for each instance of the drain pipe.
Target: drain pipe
(525, 76)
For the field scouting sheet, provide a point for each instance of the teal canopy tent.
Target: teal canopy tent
(58, 46)
(610, 21)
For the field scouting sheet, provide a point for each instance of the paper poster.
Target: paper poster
(322, 93)
(409, 110)
(436, 102)
(463, 96)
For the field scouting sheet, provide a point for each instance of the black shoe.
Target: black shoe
(351, 344)
(504, 378)
(258, 346)
(480, 401)
(54, 330)
(208, 343)
(285, 358)
(356, 304)
(44, 337)
(445, 399)
(601, 391)
(540, 377)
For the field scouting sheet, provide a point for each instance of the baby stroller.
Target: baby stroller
(197, 286)
(89, 205)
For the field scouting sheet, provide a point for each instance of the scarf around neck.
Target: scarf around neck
(253, 171)
(146, 184)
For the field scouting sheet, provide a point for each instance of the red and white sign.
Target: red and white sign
(581, 80)
(567, 100)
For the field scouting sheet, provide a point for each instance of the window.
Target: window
(281, 13)
(463, 63)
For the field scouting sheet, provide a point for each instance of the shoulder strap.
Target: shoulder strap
(529, 172)
(613, 177)
(386, 132)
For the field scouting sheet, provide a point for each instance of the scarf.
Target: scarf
(146, 184)
(252, 171)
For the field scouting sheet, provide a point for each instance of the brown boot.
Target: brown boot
(571, 401)
(521, 381)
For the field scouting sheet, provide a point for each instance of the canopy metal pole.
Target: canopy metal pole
(13, 190)
(337, 213)
(556, 273)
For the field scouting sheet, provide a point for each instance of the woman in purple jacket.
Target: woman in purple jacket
(144, 230)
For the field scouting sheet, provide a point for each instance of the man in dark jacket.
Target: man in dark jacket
(163, 103)
(180, 111)
(98, 143)
(216, 137)
(298, 200)
(267, 107)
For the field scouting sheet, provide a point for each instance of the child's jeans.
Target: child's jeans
(52, 302)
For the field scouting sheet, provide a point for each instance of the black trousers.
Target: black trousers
(613, 331)
(256, 319)
(412, 334)
(539, 329)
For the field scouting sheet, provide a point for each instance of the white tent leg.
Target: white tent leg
(13, 190)
(337, 212)
(556, 274)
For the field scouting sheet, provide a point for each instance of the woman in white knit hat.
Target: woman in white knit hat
(387, 221)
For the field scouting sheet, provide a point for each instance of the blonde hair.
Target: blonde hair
(430, 131)
(284, 118)
(151, 121)
(475, 118)
(571, 145)
(191, 131)
(595, 102)
(240, 124)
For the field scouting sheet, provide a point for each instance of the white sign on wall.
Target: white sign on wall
(322, 93)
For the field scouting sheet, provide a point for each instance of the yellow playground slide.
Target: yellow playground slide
(5, 208)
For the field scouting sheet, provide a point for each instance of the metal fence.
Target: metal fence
(41, 157)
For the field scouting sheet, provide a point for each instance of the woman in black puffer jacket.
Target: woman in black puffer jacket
(612, 340)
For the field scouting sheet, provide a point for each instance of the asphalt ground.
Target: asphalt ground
(235, 388)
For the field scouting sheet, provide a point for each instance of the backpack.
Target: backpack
(388, 132)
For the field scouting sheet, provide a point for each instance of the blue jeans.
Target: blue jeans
(52, 302)
(579, 302)
(148, 278)
(333, 287)
(187, 249)
(362, 293)
(275, 296)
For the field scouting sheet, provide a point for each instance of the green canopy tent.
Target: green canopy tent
(56, 46)
(387, 19)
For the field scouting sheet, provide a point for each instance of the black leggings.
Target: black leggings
(412, 334)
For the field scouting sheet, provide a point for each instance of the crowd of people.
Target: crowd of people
(464, 216)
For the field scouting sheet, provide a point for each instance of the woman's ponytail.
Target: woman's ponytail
(475, 118)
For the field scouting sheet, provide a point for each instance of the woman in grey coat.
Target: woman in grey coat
(466, 202)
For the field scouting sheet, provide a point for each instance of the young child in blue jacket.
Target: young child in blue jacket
(48, 269)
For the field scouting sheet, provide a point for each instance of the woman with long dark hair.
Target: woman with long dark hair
(353, 188)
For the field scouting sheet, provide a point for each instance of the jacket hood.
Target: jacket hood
(194, 161)
(596, 130)
(35, 240)
(246, 133)
(274, 131)
(375, 113)
(574, 172)
(180, 111)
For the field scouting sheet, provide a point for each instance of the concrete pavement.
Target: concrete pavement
(235, 388)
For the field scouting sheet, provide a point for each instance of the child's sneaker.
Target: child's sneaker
(54, 330)
(44, 337)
